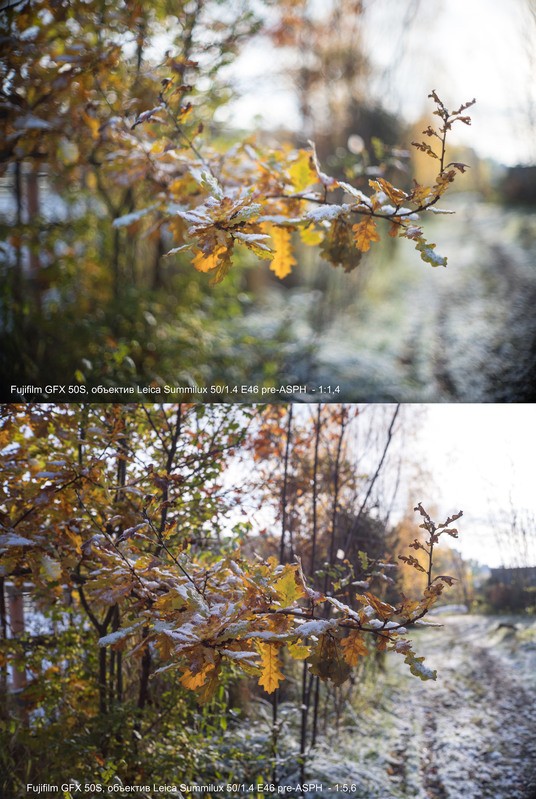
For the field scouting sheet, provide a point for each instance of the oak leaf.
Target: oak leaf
(206, 263)
(311, 236)
(327, 661)
(298, 651)
(417, 667)
(288, 589)
(301, 173)
(364, 233)
(193, 680)
(397, 196)
(283, 259)
(271, 674)
(353, 648)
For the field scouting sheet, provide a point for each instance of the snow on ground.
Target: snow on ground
(470, 735)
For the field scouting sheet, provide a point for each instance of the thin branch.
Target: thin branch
(353, 528)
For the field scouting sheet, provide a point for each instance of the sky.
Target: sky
(478, 457)
(462, 48)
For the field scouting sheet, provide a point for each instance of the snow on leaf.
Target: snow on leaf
(118, 635)
(197, 217)
(280, 220)
(241, 656)
(267, 635)
(271, 674)
(247, 213)
(14, 540)
(376, 624)
(326, 212)
(147, 116)
(428, 253)
(255, 242)
(314, 627)
(252, 237)
(344, 608)
(210, 182)
(326, 180)
(178, 249)
(129, 219)
(353, 192)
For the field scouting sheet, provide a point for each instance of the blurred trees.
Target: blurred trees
(115, 161)
(75, 78)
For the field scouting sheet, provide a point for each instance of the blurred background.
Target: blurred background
(84, 301)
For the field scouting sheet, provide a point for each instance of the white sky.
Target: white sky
(461, 48)
(479, 455)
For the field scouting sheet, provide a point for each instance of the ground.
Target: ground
(469, 735)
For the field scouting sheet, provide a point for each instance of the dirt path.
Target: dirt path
(477, 724)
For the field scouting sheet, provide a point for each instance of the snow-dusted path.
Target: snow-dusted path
(475, 729)
(469, 735)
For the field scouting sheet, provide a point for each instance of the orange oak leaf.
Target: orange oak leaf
(364, 233)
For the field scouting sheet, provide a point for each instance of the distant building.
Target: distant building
(512, 589)
(519, 576)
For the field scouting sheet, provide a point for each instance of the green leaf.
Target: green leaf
(428, 254)
(417, 667)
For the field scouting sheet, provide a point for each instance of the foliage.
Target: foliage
(144, 184)
(135, 546)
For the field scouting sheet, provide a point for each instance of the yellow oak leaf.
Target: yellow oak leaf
(298, 651)
(311, 236)
(193, 680)
(421, 194)
(364, 233)
(288, 589)
(205, 263)
(353, 648)
(208, 689)
(283, 260)
(271, 674)
(301, 173)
